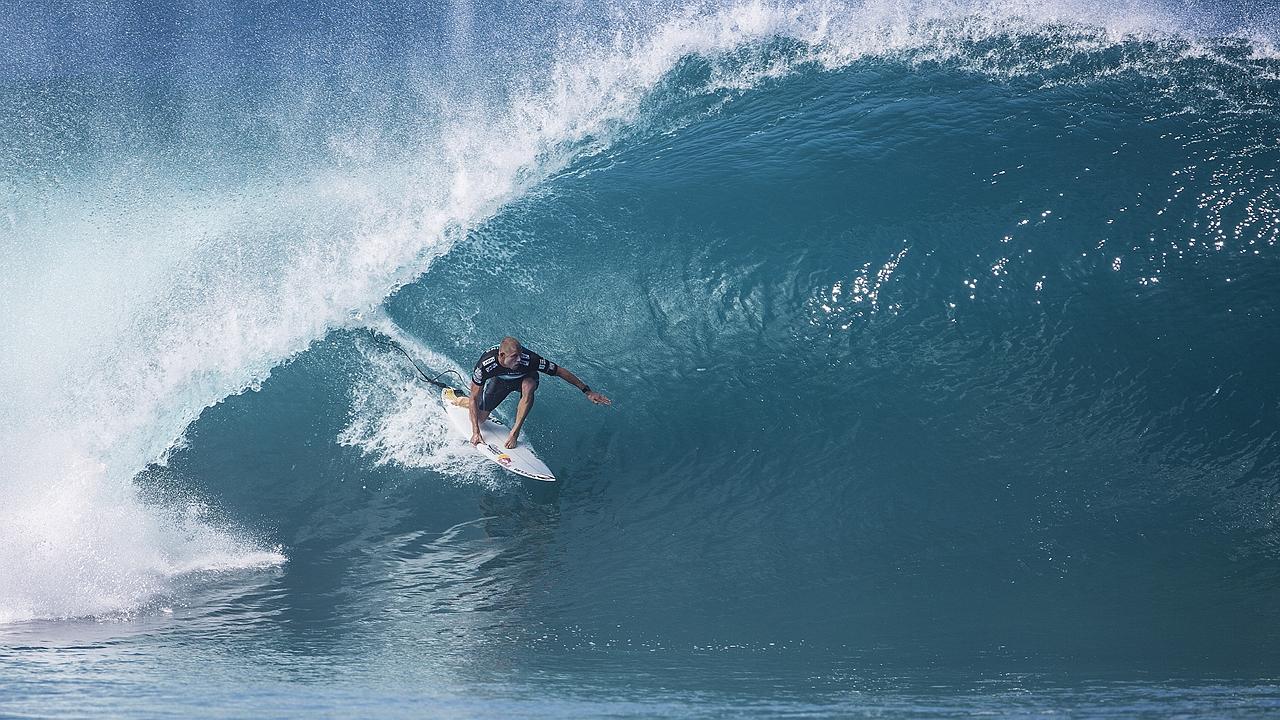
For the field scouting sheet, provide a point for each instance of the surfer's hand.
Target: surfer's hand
(476, 439)
(511, 442)
(598, 399)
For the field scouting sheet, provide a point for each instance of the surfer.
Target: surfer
(505, 368)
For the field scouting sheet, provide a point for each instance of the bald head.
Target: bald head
(508, 351)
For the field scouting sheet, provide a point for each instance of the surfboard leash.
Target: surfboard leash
(384, 340)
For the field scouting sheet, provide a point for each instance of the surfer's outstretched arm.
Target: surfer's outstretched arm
(573, 380)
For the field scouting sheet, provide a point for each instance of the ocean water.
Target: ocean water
(942, 340)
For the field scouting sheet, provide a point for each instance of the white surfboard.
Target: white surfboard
(520, 460)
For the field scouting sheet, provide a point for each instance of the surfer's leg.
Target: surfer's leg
(493, 392)
(455, 399)
(527, 388)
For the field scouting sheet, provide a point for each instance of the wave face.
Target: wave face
(940, 336)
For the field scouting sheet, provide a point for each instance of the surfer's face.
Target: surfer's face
(508, 361)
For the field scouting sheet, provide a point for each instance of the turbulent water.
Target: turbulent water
(941, 337)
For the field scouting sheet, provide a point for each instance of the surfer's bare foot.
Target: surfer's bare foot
(452, 398)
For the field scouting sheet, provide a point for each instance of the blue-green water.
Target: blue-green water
(941, 340)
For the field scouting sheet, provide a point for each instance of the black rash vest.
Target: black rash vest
(487, 367)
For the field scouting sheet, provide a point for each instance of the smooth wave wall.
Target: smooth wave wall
(182, 219)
